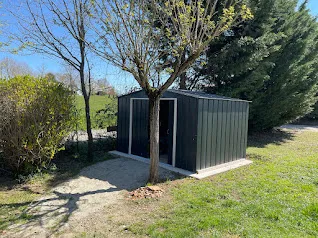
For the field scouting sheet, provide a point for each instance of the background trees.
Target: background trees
(58, 29)
(271, 60)
(10, 68)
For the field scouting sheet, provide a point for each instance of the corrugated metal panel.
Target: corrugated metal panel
(246, 129)
(187, 111)
(232, 132)
(123, 125)
(235, 129)
(222, 132)
(186, 131)
(219, 133)
(200, 138)
(224, 128)
(209, 131)
(240, 142)
(205, 108)
(214, 132)
(140, 132)
(227, 105)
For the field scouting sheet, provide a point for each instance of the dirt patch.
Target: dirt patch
(146, 192)
(126, 218)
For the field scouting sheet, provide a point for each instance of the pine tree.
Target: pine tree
(271, 61)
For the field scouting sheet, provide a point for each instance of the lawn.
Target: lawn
(96, 103)
(276, 196)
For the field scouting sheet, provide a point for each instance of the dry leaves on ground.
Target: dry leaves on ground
(146, 192)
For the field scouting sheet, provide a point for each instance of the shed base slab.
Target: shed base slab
(200, 173)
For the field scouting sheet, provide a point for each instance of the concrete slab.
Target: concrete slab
(200, 173)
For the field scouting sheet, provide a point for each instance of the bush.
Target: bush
(108, 115)
(35, 115)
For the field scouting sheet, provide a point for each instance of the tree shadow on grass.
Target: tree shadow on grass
(275, 136)
(92, 185)
(49, 213)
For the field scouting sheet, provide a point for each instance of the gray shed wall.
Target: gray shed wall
(123, 120)
(187, 118)
(222, 132)
(209, 131)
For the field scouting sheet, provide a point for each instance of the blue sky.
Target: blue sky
(313, 5)
(120, 80)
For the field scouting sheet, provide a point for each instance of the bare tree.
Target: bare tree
(69, 77)
(132, 35)
(58, 28)
(10, 68)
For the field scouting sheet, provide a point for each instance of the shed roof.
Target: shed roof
(197, 94)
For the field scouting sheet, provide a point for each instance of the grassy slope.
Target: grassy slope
(277, 196)
(96, 103)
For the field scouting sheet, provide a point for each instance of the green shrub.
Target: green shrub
(108, 115)
(35, 115)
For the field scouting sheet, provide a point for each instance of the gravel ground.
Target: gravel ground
(300, 127)
(97, 134)
(80, 203)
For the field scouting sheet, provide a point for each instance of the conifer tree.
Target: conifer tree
(271, 60)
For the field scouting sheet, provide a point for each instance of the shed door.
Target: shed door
(166, 122)
(140, 128)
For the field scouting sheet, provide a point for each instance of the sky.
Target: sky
(313, 6)
(120, 80)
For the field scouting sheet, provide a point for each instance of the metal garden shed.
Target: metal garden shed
(197, 130)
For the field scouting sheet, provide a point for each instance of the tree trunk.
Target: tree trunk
(88, 119)
(183, 80)
(89, 130)
(154, 107)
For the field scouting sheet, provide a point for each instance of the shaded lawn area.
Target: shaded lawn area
(16, 196)
(276, 196)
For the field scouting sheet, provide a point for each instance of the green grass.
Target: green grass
(12, 204)
(276, 196)
(96, 103)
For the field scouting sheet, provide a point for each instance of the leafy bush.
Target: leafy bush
(35, 115)
(108, 115)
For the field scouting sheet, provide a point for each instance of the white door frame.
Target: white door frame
(174, 126)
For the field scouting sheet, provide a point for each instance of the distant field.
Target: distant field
(96, 103)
